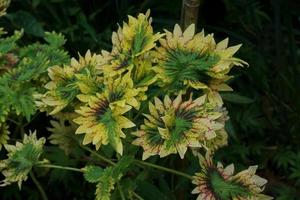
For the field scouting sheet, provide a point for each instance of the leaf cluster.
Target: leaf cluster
(264, 120)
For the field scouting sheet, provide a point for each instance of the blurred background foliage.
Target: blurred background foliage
(264, 110)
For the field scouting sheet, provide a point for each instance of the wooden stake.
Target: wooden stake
(189, 13)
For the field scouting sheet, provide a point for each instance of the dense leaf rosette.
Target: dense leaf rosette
(102, 120)
(135, 37)
(62, 89)
(69, 81)
(104, 93)
(132, 53)
(186, 59)
(119, 92)
(90, 74)
(215, 182)
(21, 158)
(173, 126)
(140, 71)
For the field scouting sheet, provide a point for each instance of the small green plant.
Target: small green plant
(154, 97)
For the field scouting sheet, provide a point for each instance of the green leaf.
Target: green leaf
(82, 20)
(92, 173)
(149, 191)
(62, 135)
(122, 166)
(23, 103)
(284, 159)
(108, 177)
(9, 43)
(113, 130)
(23, 19)
(54, 39)
(140, 38)
(54, 55)
(30, 68)
(231, 129)
(236, 98)
(287, 193)
(226, 189)
(105, 186)
(21, 158)
(183, 65)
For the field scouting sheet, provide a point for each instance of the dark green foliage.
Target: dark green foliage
(108, 177)
(9, 43)
(265, 119)
(264, 110)
(25, 71)
(23, 19)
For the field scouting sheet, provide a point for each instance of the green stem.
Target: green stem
(22, 131)
(38, 185)
(137, 196)
(59, 167)
(98, 155)
(32, 118)
(121, 192)
(139, 162)
(13, 121)
(164, 169)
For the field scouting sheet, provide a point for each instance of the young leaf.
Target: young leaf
(92, 173)
(107, 178)
(55, 39)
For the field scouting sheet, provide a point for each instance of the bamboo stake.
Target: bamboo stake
(189, 13)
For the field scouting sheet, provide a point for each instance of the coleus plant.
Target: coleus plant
(151, 96)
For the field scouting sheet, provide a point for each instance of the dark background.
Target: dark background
(264, 109)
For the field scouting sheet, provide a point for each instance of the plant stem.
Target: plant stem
(13, 121)
(121, 192)
(137, 196)
(38, 185)
(139, 162)
(164, 169)
(59, 167)
(98, 155)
